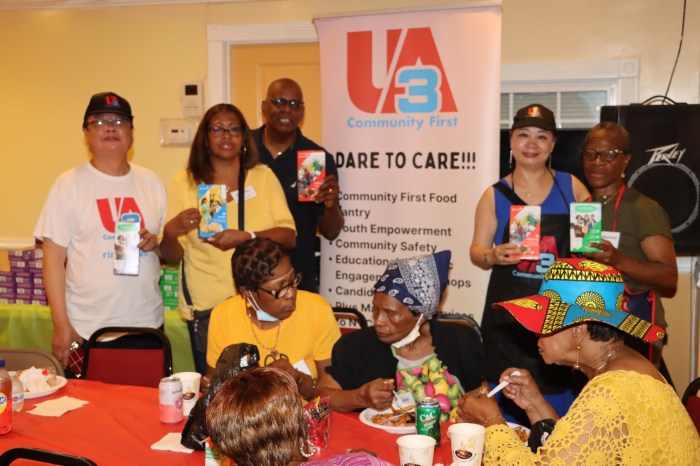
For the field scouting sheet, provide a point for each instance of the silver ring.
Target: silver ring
(191, 222)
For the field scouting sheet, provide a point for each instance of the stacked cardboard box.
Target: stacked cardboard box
(169, 287)
(24, 283)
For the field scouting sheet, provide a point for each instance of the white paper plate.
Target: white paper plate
(366, 418)
(61, 383)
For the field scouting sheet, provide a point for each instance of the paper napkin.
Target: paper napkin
(57, 407)
(171, 442)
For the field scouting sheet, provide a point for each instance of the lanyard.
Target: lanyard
(617, 205)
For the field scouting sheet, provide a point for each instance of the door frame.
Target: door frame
(220, 37)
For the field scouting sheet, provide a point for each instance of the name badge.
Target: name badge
(249, 193)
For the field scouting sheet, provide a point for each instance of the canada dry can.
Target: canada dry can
(170, 398)
(428, 418)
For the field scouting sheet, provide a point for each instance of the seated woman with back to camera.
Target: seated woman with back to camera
(406, 350)
(257, 419)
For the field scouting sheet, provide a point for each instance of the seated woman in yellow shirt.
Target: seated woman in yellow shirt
(626, 415)
(294, 330)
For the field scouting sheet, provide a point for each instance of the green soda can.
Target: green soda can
(428, 418)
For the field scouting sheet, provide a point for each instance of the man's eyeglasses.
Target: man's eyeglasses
(284, 289)
(607, 155)
(218, 131)
(117, 123)
(294, 104)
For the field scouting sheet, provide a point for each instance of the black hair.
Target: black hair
(253, 261)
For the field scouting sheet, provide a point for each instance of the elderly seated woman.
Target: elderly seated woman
(294, 330)
(406, 350)
(627, 414)
(256, 418)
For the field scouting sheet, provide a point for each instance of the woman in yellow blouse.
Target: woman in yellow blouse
(626, 415)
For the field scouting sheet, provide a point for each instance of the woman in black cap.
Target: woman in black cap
(533, 183)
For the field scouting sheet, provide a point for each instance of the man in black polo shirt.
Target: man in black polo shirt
(278, 141)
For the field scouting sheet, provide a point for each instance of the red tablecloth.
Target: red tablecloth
(120, 423)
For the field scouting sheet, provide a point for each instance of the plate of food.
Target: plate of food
(523, 432)
(40, 382)
(394, 422)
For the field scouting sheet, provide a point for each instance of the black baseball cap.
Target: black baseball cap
(536, 115)
(108, 102)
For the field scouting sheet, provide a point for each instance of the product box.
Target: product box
(7, 278)
(311, 171)
(211, 201)
(524, 227)
(23, 278)
(126, 251)
(585, 226)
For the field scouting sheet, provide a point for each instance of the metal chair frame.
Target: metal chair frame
(23, 358)
(351, 314)
(44, 456)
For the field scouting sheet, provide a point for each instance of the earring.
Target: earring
(510, 160)
(549, 163)
(312, 449)
(622, 175)
(244, 151)
(577, 366)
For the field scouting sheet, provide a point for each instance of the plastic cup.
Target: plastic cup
(416, 450)
(190, 390)
(466, 442)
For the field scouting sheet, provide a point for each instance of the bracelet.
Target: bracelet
(486, 258)
(252, 234)
(487, 420)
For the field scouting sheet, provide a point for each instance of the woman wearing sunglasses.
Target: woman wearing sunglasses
(294, 330)
(644, 252)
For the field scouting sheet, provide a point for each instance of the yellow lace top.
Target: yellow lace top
(620, 418)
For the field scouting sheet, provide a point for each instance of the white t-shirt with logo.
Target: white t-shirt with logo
(80, 214)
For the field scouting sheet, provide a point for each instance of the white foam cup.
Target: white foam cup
(466, 443)
(190, 390)
(416, 450)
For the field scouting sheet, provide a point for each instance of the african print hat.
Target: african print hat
(575, 291)
(417, 282)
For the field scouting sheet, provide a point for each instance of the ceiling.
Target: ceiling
(34, 4)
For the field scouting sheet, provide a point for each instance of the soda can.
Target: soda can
(170, 400)
(428, 418)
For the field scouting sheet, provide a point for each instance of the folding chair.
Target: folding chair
(122, 361)
(691, 401)
(23, 358)
(463, 319)
(349, 319)
(44, 456)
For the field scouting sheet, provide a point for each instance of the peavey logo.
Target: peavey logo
(667, 154)
(413, 79)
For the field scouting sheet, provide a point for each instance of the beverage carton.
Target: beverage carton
(311, 171)
(585, 226)
(211, 201)
(525, 221)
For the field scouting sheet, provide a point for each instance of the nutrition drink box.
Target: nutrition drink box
(211, 201)
(311, 171)
(585, 226)
(525, 221)
(126, 250)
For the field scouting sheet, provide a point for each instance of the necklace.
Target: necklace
(272, 349)
(605, 198)
(607, 358)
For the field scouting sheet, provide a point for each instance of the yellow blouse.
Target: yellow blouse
(620, 418)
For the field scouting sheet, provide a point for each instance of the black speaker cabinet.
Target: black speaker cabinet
(666, 162)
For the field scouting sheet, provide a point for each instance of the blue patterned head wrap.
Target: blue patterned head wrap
(417, 282)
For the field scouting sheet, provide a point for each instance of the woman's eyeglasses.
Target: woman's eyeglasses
(607, 155)
(284, 289)
(218, 131)
(294, 104)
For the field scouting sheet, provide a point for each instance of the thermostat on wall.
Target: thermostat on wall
(176, 132)
(193, 99)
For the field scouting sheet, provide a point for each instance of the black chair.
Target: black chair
(463, 319)
(17, 359)
(121, 361)
(44, 456)
(349, 319)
